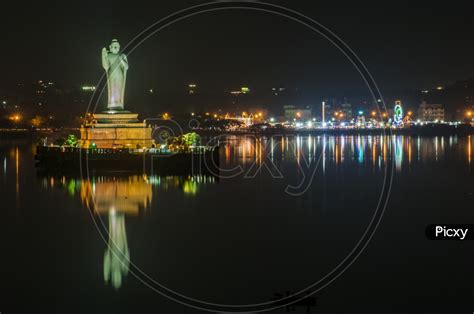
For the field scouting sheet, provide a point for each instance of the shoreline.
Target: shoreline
(443, 130)
(426, 130)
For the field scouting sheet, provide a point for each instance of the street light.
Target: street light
(15, 118)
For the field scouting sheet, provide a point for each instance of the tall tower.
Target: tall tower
(323, 105)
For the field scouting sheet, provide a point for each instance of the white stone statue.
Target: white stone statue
(115, 65)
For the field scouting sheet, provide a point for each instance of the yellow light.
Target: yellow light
(165, 116)
(410, 113)
(215, 115)
(469, 113)
(374, 113)
(15, 118)
(298, 114)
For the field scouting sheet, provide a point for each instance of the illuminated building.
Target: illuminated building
(430, 112)
(192, 88)
(88, 88)
(292, 112)
(243, 90)
(247, 118)
(259, 114)
(346, 110)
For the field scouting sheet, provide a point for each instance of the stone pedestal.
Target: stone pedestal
(116, 130)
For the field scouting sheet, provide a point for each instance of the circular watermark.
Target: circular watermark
(382, 201)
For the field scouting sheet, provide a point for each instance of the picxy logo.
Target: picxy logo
(442, 231)
(449, 232)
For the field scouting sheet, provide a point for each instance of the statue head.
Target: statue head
(114, 46)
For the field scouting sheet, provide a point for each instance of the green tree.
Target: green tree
(184, 142)
(70, 141)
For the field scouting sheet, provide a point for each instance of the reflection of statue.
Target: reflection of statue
(117, 255)
(116, 65)
(117, 197)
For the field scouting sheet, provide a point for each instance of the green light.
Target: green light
(71, 141)
(71, 187)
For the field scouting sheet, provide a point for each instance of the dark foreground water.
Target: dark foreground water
(282, 215)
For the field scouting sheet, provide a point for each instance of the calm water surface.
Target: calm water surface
(284, 212)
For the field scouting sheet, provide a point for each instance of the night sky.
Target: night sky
(414, 46)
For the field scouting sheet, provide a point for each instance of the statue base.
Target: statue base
(116, 129)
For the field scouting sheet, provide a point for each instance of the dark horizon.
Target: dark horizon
(418, 47)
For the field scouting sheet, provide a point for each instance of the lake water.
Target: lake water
(282, 214)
